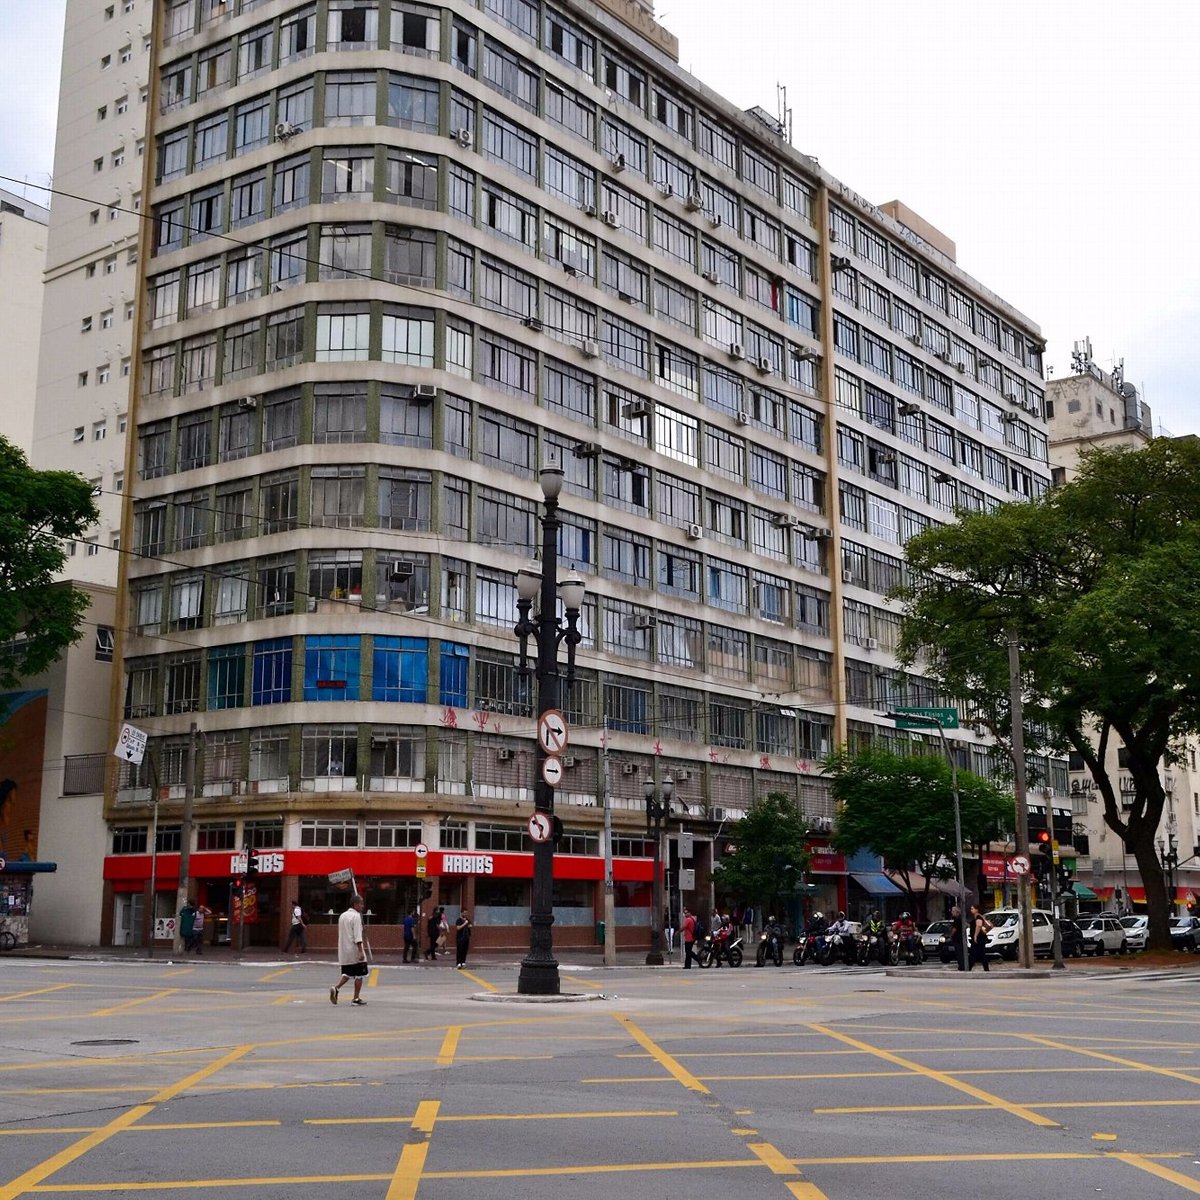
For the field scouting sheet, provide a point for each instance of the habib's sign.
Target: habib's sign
(467, 864)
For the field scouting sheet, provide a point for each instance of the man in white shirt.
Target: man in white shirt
(296, 933)
(352, 952)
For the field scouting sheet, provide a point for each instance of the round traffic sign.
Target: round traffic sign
(541, 826)
(421, 850)
(552, 770)
(3, 864)
(1019, 864)
(552, 731)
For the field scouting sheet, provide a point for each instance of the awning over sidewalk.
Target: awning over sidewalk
(1083, 892)
(876, 884)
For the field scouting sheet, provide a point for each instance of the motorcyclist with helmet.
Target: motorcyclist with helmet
(841, 926)
(905, 928)
(876, 931)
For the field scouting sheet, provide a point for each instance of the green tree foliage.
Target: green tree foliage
(1098, 581)
(770, 854)
(902, 808)
(39, 511)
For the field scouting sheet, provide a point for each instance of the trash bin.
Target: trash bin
(599, 933)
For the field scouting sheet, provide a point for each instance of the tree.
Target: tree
(1097, 581)
(902, 808)
(770, 854)
(39, 512)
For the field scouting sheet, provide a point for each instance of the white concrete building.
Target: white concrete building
(22, 260)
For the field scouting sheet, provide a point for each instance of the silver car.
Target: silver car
(1102, 934)
(1137, 931)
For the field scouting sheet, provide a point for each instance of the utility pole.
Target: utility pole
(185, 835)
(610, 900)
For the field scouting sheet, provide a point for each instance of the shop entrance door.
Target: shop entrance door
(127, 919)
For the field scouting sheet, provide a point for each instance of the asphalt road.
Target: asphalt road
(225, 1080)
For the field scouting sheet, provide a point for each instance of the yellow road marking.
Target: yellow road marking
(182, 1085)
(126, 1005)
(1112, 1058)
(750, 1078)
(1016, 1110)
(56, 987)
(181, 971)
(775, 1161)
(588, 983)
(670, 1064)
(445, 1056)
(888, 1108)
(406, 1178)
(273, 975)
(1104, 1137)
(373, 978)
(286, 998)
(483, 983)
(1187, 1182)
(555, 1116)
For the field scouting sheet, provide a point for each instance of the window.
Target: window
(400, 670)
(352, 26)
(343, 335)
(404, 499)
(347, 174)
(415, 30)
(331, 667)
(349, 97)
(337, 495)
(407, 336)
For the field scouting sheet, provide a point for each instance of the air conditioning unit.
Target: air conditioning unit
(534, 323)
(611, 219)
(635, 623)
(885, 456)
(590, 210)
(908, 408)
(1011, 397)
(665, 189)
(1009, 417)
(1047, 793)
(870, 643)
(424, 391)
(847, 576)
(462, 137)
(567, 760)
(587, 449)
(285, 130)
(962, 367)
(718, 814)
(944, 356)
(715, 221)
(635, 409)
(617, 162)
(504, 754)
(839, 262)
(822, 535)
(763, 365)
(743, 417)
(403, 568)
(247, 402)
(590, 350)
(737, 350)
(915, 338)
(682, 776)
(710, 277)
(695, 530)
(783, 521)
(695, 202)
(629, 769)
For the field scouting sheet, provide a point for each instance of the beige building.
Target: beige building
(22, 260)
(399, 258)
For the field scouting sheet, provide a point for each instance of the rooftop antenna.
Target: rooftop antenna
(785, 111)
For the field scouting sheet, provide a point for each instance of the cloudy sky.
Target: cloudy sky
(1054, 142)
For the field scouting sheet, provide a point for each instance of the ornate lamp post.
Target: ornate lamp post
(1168, 855)
(539, 968)
(658, 808)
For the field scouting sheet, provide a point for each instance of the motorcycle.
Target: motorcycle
(723, 946)
(910, 949)
(877, 948)
(770, 946)
(814, 947)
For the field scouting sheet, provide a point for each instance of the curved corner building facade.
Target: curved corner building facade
(398, 257)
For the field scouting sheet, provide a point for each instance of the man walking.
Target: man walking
(296, 933)
(689, 938)
(352, 951)
(410, 936)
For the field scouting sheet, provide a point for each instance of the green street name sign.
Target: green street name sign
(925, 718)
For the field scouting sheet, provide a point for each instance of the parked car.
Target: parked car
(1102, 934)
(1072, 938)
(936, 940)
(1185, 933)
(1006, 932)
(1137, 931)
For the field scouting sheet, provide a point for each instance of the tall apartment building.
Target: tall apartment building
(401, 256)
(22, 258)
(91, 281)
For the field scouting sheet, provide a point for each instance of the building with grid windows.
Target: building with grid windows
(401, 255)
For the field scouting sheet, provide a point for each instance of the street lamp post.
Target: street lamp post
(1168, 856)
(658, 809)
(539, 968)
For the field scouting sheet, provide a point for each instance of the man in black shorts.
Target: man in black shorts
(352, 951)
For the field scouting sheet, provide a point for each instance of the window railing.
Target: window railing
(83, 774)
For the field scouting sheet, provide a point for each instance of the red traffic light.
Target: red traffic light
(1043, 836)
(1044, 842)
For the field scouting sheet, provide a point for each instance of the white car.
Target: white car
(1137, 931)
(1006, 932)
(1103, 933)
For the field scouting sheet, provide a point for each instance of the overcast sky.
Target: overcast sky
(1054, 142)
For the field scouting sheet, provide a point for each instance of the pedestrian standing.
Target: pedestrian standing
(443, 930)
(462, 940)
(352, 951)
(433, 930)
(187, 923)
(689, 938)
(203, 912)
(297, 932)
(956, 938)
(979, 931)
(410, 935)
(748, 922)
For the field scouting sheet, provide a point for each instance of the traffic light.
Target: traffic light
(1043, 860)
(1065, 882)
(251, 863)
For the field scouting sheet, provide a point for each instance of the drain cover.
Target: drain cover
(107, 1042)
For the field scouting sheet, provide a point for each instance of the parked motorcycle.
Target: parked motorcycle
(722, 947)
(770, 946)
